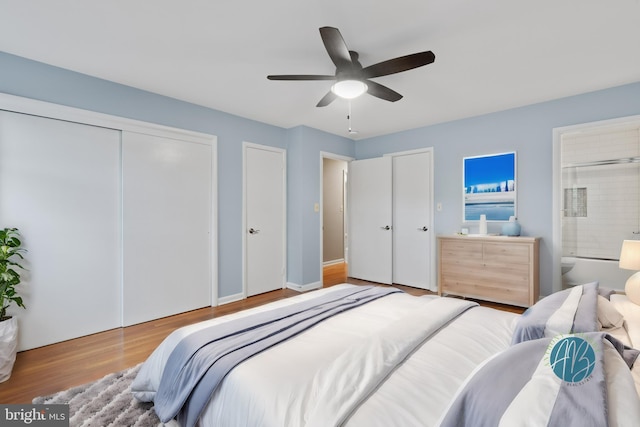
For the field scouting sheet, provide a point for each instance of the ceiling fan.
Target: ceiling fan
(352, 79)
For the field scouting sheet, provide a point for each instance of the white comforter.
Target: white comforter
(313, 380)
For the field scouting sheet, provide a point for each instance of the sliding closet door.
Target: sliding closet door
(59, 184)
(370, 213)
(167, 190)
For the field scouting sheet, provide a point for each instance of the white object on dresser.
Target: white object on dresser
(493, 268)
(482, 227)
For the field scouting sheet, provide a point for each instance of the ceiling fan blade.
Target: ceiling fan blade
(336, 48)
(300, 77)
(382, 92)
(397, 65)
(327, 99)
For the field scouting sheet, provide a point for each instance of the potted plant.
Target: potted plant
(10, 253)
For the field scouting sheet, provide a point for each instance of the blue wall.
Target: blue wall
(526, 130)
(303, 158)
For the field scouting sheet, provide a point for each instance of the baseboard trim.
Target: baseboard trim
(304, 288)
(333, 261)
(230, 298)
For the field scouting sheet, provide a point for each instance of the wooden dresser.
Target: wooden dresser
(493, 268)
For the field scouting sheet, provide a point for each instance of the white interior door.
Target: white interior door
(412, 234)
(370, 225)
(265, 220)
(60, 185)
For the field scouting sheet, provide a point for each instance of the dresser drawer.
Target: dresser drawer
(514, 276)
(506, 253)
(513, 296)
(461, 249)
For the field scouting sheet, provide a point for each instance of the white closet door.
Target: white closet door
(167, 190)
(370, 211)
(412, 234)
(59, 184)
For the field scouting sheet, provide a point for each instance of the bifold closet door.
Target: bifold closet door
(390, 219)
(60, 185)
(412, 236)
(167, 190)
(370, 219)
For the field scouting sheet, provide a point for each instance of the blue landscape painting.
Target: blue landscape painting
(490, 187)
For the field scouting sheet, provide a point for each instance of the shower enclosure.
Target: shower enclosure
(599, 197)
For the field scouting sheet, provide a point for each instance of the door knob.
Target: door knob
(423, 229)
(386, 227)
(253, 231)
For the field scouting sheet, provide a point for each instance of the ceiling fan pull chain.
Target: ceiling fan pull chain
(351, 131)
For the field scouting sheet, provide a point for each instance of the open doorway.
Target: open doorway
(334, 226)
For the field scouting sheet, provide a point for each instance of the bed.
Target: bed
(396, 360)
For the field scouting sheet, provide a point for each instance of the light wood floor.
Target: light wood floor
(59, 366)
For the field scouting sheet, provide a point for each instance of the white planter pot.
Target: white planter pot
(8, 346)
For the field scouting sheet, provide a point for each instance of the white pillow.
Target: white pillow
(608, 316)
(631, 313)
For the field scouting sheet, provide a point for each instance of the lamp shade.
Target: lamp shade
(630, 255)
(349, 89)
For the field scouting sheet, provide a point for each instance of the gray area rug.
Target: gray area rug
(106, 402)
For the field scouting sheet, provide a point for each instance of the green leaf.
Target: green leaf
(18, 301)
(10, 247)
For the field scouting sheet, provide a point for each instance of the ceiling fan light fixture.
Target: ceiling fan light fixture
(349, 89)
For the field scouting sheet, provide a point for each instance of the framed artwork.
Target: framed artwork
(489, 187)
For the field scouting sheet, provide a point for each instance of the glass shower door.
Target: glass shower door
(600, 199)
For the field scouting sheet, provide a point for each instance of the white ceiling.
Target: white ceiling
(491, 55)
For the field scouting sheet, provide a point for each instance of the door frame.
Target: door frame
(432, 261)
(245, 146)
(328, 155)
